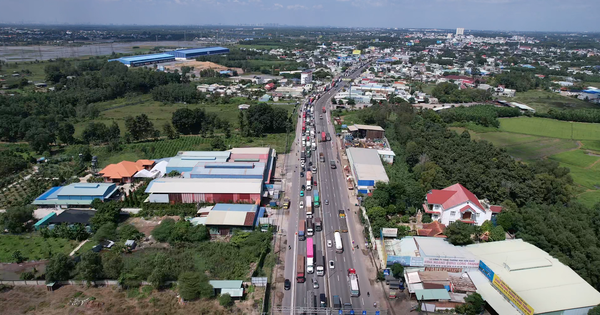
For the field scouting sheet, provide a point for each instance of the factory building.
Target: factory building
(181, 54)
(209, 190)
(366, 168)
(185, 161)
(75, 195)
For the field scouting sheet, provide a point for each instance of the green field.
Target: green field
(32, 247)
(542, 101)
(546, 127)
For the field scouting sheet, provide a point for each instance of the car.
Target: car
(301, 174)
(287, 284)
(303, 187)
(310, 163)
(302, 163)
(326, 202)
(302, 193)
(315, 284)
(329, 243)
(331, 264)
(301, 205)
(314, 168)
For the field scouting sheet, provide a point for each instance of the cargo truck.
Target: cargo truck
(300, 278)
(323, 136)
(310, 255)
(343, 224)
(321, 265)
(324, 110)
(308, 180)
(301, 235)
(353, 283)
(318, 224)
(309, 227)
(308, 206)
(338, 242)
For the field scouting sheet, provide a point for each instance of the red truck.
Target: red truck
(323, 136)
(324, 111)
(300, 269)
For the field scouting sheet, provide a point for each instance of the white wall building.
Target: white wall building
(460, 31)
(306, 77)
(456, 203)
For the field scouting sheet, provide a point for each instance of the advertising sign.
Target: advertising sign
(516, 300)
(356, 52)
(486, 270)
(450, 262)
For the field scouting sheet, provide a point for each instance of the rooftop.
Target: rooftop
(541, 280)
(205, 186)
(368, 127)
(367, 164)
(452, 196)
(200, 50)
(144, 57)
(73, 216)
(124, 168)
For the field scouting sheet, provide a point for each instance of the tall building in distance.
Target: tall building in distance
(460, 31)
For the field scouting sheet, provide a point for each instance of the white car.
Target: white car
(329, 243)
(301, 204)
(302, 163)
(314, 168)
(331, 264)
(315, 284)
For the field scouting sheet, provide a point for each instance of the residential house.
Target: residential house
(456, 203)
(124, 171)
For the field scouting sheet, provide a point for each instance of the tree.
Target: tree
(140, 127)
(59, 268)
(65, 133)
(106, 212)
(397, 271)
(225, 300)
(169, 131)
(15, 218)
(18, 256)
(351, 102)
(594, 311)
(459, 233)
(90, 266)
(112, 264)
(426, 218)
(158, 277)
(497, 234)
(473, 305)
(114, 132)
(162, 232)
(217, 144)
(129, 232)
(193, 285)
(40, 139)
(95, 132)
(106, 232)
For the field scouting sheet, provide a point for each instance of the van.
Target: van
(337, 303)
(323, 300)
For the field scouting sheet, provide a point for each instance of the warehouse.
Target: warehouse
(195, 190)
(197, 52)
(224, 217)
(366, 132)
(142, 60)
(367, 168)
(185, 161)
(228, 170)
(516, 277)
(75, 195)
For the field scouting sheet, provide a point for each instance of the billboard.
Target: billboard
(486, 271)
(450, 262)
(356, 52)
(515, 299)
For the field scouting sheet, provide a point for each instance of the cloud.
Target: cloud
(318, 6)
(296, 7)
(278, 6)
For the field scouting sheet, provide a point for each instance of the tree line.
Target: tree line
(447, 92)
(485, 115)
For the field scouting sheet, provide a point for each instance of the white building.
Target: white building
(460, 31)
(306, 77)
(456, 203)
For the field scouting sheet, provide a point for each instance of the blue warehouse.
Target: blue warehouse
(142, 60)
(198, 52)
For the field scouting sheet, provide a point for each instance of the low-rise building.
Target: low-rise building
(223, 218)
(123, 172)
(201, 190)
(75, 195)
(366, 168)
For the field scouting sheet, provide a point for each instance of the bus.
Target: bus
(310, 231)
(301, 235)
(316, 201)
(338, 242)
(300, 269)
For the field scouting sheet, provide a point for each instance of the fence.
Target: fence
(70, 282)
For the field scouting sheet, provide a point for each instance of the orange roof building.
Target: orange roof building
(433, 229)
(123, 172)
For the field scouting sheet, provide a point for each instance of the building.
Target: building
(429, 252)
(232, 287)
(76, 195)
(185, 161)
(515, 277)
(197, 190)
(143, 60)
(366, 168)
(124, 172)
(182, 54)
(366, 131)
(456, 203)
(223, 218)
(433, 229)
(460, 31)
(68, 217)
(306, 77)
(229, 170)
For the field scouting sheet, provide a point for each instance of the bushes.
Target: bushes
(160, 210)
(485, 115)
(579, 115)
(182, 231)
(193, 285)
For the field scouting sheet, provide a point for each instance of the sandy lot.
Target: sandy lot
(199, 65)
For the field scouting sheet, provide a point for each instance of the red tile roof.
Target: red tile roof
(124, 169)
(433, 229)
(465, 208)
(452, 196)
(496, 209)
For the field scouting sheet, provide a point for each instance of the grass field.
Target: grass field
(542, 101)
(32, 247)
(546, 127)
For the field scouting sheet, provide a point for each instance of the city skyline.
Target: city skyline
(510, 15)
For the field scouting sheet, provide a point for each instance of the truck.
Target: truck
(321, 266)
(301, 235)
(316, 200)
(310, 231)
(338, 242)
(313, 146)
(310, 255)
(300, 278)
(321, 157)
(353, 282)
(318, 224)
(337, 303)
(323, 136)
(332, 164)
(308, 180)
(324, 111)
(343, 223)
(309, 206)
(302, 156)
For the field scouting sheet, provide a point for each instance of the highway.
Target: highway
(303, 298)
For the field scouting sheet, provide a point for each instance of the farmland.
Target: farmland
(33, 247)
(542, 101)
(545, 127)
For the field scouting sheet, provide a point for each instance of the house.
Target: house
(233, 287)
(270, 86)
(123, 172)
(433, 229)
(456, 203)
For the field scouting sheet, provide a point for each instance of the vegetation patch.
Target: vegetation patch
(551, 128)
(543, 101)
(32, 247)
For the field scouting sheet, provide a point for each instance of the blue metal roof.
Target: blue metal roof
(235, 207)
(50, 191)
(142, 58)
(237, 169)
(200, 50)
(86, 189)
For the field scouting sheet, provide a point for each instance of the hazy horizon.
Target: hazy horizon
(499, 15)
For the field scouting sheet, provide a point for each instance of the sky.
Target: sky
(515, 15)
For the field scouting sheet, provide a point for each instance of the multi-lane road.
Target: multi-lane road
(303, 298)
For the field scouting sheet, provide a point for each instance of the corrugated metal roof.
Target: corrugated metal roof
(143, 58)
(234, 292)
(545, 283)
(367, 164)
(258, 151)
(240, 169)
(491, 295)
(226, 284)
(200, 50)
(205, 186)
(86, 189)
(432, 294)
(235, 207)
(368, 127)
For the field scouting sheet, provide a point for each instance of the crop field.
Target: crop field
(32, 247)
(551, 128)
(542, 101)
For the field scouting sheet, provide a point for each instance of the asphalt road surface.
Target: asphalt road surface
(332, 187)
